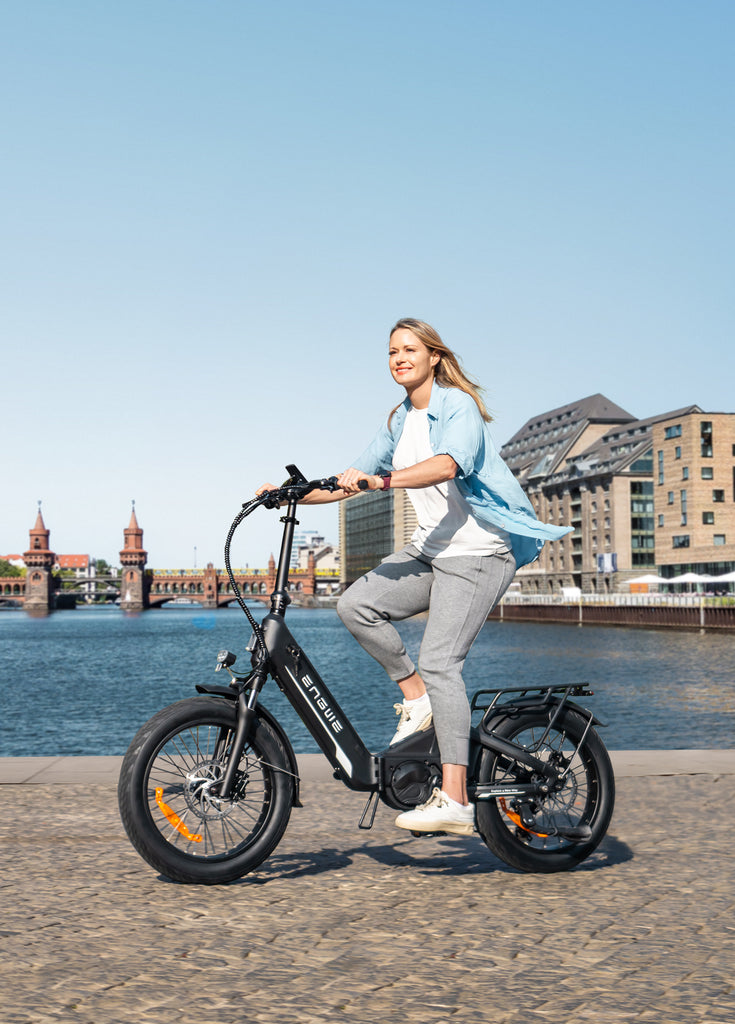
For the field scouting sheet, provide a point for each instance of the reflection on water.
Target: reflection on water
(82, 682)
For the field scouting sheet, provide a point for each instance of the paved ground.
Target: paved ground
(348, 926)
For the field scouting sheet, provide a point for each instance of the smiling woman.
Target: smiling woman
(475, 527)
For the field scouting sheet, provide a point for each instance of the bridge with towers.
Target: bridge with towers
(137, 588)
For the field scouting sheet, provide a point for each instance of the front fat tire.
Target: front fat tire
(178, 751)
(588, 799)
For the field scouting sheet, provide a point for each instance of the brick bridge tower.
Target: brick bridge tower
(135, 584)
(40, 561)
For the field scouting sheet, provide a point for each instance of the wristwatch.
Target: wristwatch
(386, 482)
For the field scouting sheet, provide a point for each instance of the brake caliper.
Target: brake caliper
(517, 820)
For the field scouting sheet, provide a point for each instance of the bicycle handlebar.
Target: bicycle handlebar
(296, 490)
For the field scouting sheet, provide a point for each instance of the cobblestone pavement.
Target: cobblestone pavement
(348, 926)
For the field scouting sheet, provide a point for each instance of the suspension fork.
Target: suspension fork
(246, 714)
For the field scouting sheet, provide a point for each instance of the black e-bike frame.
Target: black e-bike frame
(276, 653)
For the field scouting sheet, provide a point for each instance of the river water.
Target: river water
(83, 681)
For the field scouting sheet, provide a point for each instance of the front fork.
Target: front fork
(246, 715)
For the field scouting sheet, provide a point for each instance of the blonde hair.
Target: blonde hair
(448, 372)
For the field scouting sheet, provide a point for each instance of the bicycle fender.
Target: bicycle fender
(262, 712)
(519, 707)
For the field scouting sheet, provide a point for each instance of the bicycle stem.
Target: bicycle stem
(279, 598)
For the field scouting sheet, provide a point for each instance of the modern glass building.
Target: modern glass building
(371, 527)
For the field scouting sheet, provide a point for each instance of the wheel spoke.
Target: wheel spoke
(186, 766)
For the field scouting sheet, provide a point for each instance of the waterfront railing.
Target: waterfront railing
(625, 600)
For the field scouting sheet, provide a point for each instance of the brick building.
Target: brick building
(694, 493)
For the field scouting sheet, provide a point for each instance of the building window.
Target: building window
(705, 436)
(683, 508)
(685, 473)
(644, 465)
(672, 432)
(681, 541)
(707, 473)
(718, 495)
(660, 520)
(671, 498)
(719, 540)
(677, 452)
(661, 467)
(708, 518)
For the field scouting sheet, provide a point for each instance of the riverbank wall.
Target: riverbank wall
(698, 614)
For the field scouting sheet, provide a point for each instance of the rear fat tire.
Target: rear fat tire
(180, 750)
(587, 798)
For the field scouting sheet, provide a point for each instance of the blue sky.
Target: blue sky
(212, 213)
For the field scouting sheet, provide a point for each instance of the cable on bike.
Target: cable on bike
(296, 487)
(245, 511)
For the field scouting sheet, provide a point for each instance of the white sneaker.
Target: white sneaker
(415, 717)
(439, 814)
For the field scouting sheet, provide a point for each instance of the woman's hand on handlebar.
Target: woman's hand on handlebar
(351, 479)
(263, 490)
(318, 496)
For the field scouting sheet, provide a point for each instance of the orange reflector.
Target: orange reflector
(516, 819)
(175, 819)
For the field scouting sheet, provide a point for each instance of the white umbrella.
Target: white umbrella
(651, 578)
(728, 577)
(690, 577)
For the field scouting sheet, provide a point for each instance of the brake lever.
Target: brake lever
(274, 498)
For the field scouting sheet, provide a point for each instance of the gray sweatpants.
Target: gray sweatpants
(459, 593)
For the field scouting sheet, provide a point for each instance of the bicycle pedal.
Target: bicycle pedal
(416, 833)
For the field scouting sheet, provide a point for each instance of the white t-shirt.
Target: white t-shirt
(446, 524)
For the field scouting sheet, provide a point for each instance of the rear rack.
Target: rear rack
(481, 700)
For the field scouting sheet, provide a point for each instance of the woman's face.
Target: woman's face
(411, 362)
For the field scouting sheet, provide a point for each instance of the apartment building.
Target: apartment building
(694, 493)
(605, 493)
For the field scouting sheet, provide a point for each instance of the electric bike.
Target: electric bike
(207, 785)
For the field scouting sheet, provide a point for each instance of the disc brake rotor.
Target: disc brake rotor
(200, 799)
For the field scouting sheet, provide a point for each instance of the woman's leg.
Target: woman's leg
(398, 588)
(464, 592)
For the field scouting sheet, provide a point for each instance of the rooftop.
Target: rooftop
(542, 443)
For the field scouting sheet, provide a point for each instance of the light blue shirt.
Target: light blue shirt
(494, 495)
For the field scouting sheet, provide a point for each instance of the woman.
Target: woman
(475, 528)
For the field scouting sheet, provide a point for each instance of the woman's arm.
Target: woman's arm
(436, 470)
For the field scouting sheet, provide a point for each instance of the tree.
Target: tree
(6, 569)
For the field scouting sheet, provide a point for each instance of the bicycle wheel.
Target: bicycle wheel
(172, 816)
(581, 805)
